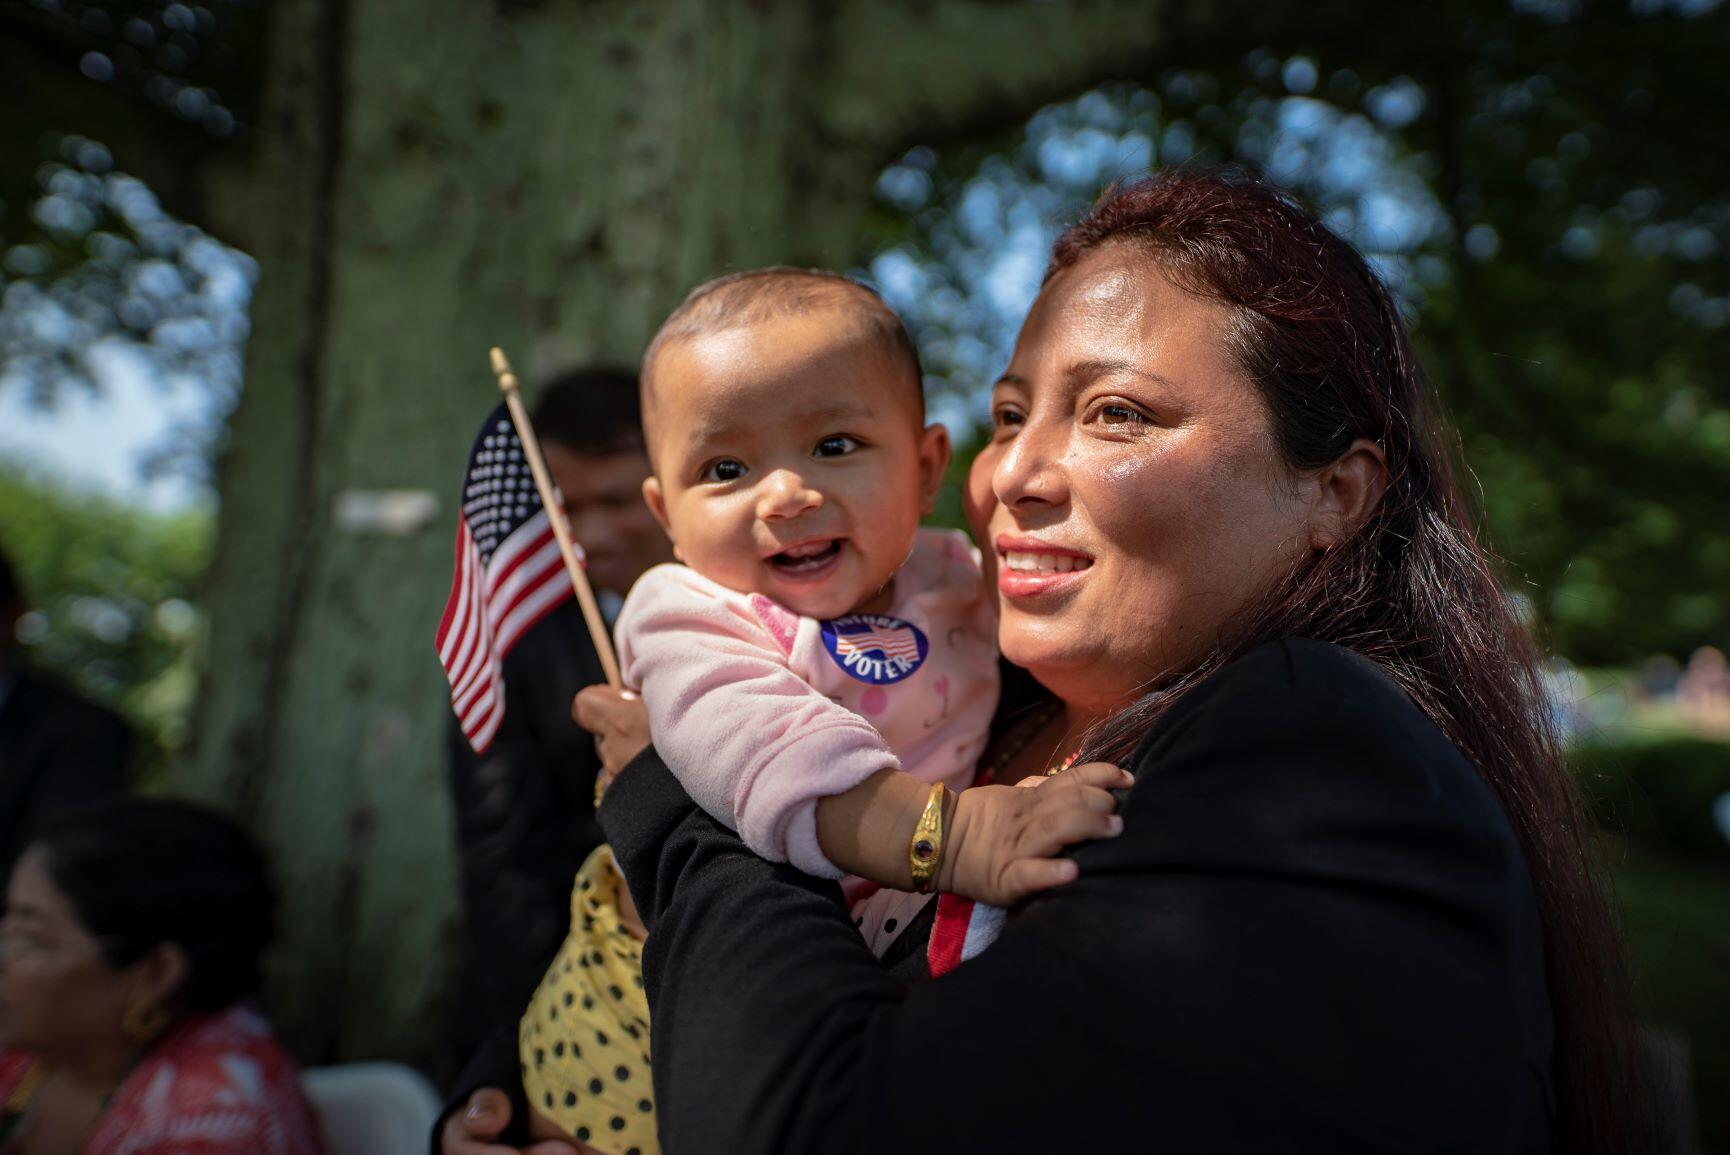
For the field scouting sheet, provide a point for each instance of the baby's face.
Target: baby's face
(790, 461)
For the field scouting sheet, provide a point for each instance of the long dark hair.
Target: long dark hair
(1412, 590)
(141, 872)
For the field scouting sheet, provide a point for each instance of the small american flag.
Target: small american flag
(509, 575)
(865, 638)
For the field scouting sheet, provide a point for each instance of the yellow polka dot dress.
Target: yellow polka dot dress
(584, 1041)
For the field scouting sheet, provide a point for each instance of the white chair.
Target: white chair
(372, 1108)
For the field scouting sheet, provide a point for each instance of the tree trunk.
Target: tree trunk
(432, 177)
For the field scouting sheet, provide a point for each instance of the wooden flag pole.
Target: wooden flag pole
(556, 514)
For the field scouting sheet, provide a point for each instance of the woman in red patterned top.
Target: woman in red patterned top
(131, 940)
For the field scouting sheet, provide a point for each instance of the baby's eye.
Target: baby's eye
(725, 469)
(837, 446)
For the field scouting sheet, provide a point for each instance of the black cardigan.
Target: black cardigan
(1316, 933)
(525, 818)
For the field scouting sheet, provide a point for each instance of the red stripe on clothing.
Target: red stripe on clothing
(948, 933)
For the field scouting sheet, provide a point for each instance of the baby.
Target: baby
(821, 672)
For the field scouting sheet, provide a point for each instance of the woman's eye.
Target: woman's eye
(837, 446)
(724, 470)
(1006, 418)
(1121, 415)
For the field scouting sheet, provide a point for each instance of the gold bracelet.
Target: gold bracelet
(926, 850)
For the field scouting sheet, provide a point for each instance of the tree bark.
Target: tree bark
(432, 177)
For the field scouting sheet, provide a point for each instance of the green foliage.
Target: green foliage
(1659, 794)
(1674, 922)
(1582, 339)
(97, 276)
(110, 592)
(1543, 184)
(1671, 876)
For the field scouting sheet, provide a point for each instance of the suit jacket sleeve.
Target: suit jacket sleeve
(525, 821)
(1316, 932)
(494, 1064)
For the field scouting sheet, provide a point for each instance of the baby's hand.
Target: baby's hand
(1003, 839)
(620, 723)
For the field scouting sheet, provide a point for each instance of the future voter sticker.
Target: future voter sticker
(875, 648)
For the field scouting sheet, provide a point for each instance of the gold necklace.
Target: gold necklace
(1020, 736)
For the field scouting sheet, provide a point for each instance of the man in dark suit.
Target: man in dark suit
(57, 750)
(525, 810)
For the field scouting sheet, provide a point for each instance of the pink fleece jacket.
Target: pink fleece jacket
(761, 712)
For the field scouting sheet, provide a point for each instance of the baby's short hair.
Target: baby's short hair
(756, 295)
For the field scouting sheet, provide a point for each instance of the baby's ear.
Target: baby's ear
(934, 454)
(657, 503)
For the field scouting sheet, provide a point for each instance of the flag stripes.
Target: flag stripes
(508, 575)
(893, 643)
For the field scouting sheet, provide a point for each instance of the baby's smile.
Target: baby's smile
(809, 559)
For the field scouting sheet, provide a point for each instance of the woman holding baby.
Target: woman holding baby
(1350, 905)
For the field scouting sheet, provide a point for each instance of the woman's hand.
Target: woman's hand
(1003, 839)
(475, 1130)
(620, 723)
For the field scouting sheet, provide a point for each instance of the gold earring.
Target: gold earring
(143, 1022)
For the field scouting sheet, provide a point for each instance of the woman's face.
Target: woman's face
(1131, 496)
(57, 991)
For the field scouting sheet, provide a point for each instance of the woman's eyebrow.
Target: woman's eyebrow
(1085, 372)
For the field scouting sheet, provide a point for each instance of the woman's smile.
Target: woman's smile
(1029, 568)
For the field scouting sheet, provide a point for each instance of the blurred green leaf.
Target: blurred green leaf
(112, 612)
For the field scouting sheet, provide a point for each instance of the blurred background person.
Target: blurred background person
(1703, 692)
(57, 749)
(525, 809)
(131, 943)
